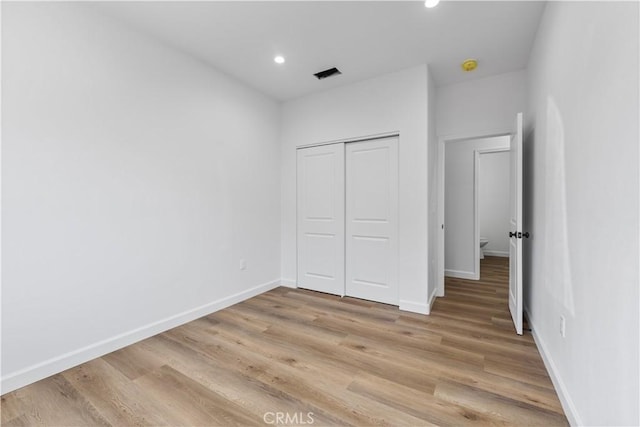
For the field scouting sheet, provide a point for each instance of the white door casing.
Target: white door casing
(441, 225)
(372, 220)
(320, 218)
(515, 223)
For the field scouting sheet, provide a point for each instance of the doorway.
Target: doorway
(516, 234)
(460, 203)
(491, 217)
(476, 209)
(491, 204)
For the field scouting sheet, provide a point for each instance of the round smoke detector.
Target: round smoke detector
(469, 65)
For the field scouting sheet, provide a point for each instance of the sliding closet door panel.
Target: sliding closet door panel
(321, 226)
(372, 220)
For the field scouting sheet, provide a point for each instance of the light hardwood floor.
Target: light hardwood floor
(346, 361)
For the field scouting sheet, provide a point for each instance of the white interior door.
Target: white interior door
(372, 220)
(321, 225)
(515, 241)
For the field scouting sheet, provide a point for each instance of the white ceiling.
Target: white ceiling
(362, 38)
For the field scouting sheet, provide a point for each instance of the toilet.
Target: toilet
(483, 243)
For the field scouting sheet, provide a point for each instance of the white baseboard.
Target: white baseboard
(565, 399)
(469, 275)
(289, 283)
(418, 307)
(502, 254)
(31, 374)
(414, 307)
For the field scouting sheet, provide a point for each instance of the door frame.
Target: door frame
(476, 200)
(352, 139)
(440, 225)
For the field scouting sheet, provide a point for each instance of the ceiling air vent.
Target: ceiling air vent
(327, 73)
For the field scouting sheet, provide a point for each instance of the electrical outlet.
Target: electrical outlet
(563, 327)
(243, 264)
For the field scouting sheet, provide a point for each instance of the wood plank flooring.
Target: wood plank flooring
(315, 359)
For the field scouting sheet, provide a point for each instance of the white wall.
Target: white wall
(395, 102)
(481, 107)
(134, 178)
(459, 218)
(432, 169)
(582, 210)
(493, 202)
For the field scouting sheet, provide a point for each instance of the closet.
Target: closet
(347, 219)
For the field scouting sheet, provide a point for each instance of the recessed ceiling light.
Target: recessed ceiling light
(279, 59)
(431, 3)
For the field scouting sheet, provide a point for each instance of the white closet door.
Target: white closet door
(321, 218)
(372, 220)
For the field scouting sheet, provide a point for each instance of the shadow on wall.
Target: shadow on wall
(528, 207)
(557, 264)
